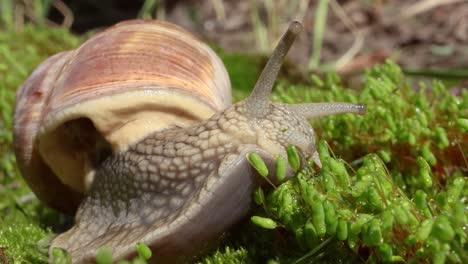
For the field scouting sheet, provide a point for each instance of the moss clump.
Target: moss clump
(20, 53)
(19, 237)
(390, 206)
(401, 124)
(365, 211)
(227, 255)
(243, 70)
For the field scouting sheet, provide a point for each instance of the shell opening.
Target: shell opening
(75, 139)
(75, 148)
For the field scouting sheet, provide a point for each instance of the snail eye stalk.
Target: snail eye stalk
(311, 110)
(258, 100)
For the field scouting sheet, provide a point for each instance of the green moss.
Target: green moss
(20, 53)
(227, 255)
(402, 123)
(19, 237)
(389, 206)
(243, 70)
(374, 209)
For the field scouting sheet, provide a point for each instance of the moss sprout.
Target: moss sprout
(369, 213)
(23, 219)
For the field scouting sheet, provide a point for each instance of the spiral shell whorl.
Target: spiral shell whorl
(130, 80)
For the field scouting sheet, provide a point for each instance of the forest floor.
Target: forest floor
(423, 36)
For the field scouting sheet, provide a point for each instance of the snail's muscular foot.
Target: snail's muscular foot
(134, 198)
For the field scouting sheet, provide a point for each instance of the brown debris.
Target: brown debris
(435, 35)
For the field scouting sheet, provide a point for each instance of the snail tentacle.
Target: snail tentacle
(311, 110)
(258, 100)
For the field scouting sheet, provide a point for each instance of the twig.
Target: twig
(423, 6)
(438, 73)
(29, 11)
(6, 17)
(272, 23)
(303, 9)
(343, 16)
(319, 28)
(66, 13)
(462, 153)
(218, 6)
(358, 36)
(19, 16)
(259, 29)
(26, 198)
(314, 250)
(161, 9)
(351, 52)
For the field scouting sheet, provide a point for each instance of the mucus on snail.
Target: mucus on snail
(135, 132)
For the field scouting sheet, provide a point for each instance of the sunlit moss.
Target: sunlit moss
(22, 217)
(20, 53)
(19, 237)
(227, 255)
(402, 123)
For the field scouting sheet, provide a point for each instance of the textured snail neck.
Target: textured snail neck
(259, 99)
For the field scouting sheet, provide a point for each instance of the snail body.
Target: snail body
(158, 158)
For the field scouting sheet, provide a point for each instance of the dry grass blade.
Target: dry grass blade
(319, 29)
(66, 13)
(425, 5)
(359, 37)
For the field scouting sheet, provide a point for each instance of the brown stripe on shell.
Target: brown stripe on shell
(30, 101)
(144, 56)
(148, 54)
(31, 98)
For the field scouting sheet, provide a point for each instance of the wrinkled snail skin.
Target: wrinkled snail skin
(183, 180)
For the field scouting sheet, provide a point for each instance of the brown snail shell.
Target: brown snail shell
(132, 79)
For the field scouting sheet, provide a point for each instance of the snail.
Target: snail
(135, 132)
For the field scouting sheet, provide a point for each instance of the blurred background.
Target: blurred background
(426, 37)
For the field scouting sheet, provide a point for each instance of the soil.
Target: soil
(432, 38)
(418, 34)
